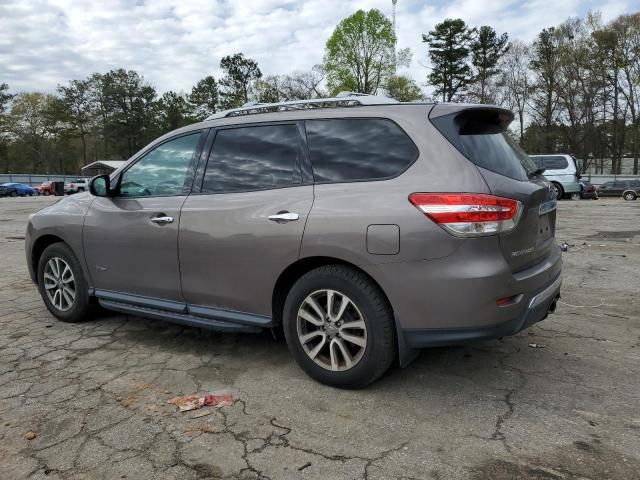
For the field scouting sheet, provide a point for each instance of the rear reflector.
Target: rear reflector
(469, 214)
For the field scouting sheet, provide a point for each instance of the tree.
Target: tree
(515, 81)
(32, 124)
(486, 50)
(5, 99)
(128, 106)
(359, 55)
(545, 65)
(627, 28)
(403, 89)
(240, 75)
(449, 45)
(174, 112)
(77, 106)
(204, 97)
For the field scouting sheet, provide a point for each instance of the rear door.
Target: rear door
(245, 225)
(480, 133)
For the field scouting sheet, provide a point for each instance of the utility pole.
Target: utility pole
(395, 44)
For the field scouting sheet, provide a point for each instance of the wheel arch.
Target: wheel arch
(38, 248)
(294, 271)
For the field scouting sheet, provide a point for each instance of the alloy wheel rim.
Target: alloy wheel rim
(59, 284)
(331, 330)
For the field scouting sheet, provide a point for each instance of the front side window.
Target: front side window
(253, 158)
(351, 149)
(162, 171)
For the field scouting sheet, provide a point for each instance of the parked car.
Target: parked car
(16, 190)
(588, 190)
(627, 189)
(46, 188)
(77, 186)
(563, 172)
(362, 227)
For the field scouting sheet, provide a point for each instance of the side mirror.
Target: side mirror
(100, 186)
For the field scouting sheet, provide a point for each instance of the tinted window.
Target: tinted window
(634, 183)
(162, 171)
(555, 163)
(253, 158)
(344, 150)
(538, 161)
(487, 145)
(619, 184)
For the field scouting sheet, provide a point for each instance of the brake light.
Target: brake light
(469, 214)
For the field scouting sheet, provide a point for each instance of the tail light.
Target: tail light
(469, 214)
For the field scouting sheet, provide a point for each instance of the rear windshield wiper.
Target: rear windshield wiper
(536, 172)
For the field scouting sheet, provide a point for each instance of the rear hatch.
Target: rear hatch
(480, 134)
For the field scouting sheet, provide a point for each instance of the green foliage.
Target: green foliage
(204, 97)
(240, 74)
(449, 47)
(174, 111)
(487, 48)
(359, 55)
(403, 89)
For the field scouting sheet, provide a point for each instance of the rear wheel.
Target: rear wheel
(339, 327)
(558, 191)
(62, 285)
(629, 196)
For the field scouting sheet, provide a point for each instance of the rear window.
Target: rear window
(481, 137)
(555, 163)
(352, 149)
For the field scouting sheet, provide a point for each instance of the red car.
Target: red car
(47, 188)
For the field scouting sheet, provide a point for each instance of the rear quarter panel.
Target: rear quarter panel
(342, 212)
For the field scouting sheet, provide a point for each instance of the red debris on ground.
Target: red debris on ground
(194, 402)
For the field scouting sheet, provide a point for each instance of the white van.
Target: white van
(563, 172)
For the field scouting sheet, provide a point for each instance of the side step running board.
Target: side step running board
(175, 317)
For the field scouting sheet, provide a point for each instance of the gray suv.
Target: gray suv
(365, 229)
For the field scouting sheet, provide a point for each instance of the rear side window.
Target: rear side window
(352, 149)
(253, 158)
(481, 137)
(555, 163)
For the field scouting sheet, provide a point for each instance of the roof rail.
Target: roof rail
(343, 99)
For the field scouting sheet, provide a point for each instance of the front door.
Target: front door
(245, 226)
(131, 240)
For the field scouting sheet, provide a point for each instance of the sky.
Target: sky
(174, 43)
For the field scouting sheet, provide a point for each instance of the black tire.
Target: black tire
(80, 190)
(629, 196)
(559, 191)
(83, 305)
(576, 196)
(46, 193)
(380, 350)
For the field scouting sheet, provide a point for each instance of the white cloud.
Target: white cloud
(174, 43)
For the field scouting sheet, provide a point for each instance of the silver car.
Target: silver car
(363, 228)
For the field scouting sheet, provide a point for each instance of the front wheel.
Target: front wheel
(339, 327)
(62, 285)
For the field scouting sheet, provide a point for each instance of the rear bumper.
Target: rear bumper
(539, 306)
(450, 299)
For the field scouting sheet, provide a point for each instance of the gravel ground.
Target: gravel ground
(94, 394)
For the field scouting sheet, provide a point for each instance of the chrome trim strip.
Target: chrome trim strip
(547, 293)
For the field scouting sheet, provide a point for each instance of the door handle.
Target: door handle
(283, 217)
(163, 220)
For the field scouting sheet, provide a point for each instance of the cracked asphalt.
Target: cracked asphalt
(95, 394)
